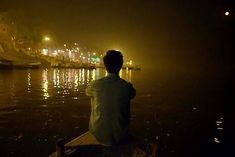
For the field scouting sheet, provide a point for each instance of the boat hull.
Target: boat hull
(5, 64)
(87, 146)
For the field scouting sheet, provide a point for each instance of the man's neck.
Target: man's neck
(113, 74)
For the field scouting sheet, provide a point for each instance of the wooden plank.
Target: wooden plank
(86, 145)
(84, 139)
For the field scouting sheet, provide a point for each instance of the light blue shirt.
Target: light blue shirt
(110, 108)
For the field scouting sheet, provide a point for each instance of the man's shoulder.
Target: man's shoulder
(123, 81)
(105, 79)
(126, 83)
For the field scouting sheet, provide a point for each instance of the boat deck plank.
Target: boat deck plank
(84, 139)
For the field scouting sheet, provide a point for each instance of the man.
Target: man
(110, 102)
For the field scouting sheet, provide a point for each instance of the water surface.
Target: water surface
(182, 111)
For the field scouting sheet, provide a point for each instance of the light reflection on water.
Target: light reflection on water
(220, 128)
(75, 79)
(51, 103)
(29, 82)
(45, 84)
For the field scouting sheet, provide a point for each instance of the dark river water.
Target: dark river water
(185, 112)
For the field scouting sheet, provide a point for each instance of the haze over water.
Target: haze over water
(182, 111)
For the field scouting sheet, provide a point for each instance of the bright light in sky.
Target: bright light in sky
(47, 38)
(227, 13)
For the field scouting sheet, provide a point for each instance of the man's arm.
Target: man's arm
(90, 89)
(132, 90)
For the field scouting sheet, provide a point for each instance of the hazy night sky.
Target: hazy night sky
(151, 32)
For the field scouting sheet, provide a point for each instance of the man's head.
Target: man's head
(113, 61)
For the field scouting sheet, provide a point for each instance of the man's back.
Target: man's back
(110, 108)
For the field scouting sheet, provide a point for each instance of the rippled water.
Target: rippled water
(183, 111)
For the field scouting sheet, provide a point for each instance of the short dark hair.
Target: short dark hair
(113, 61)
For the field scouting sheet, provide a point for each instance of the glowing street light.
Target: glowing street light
(45, 51)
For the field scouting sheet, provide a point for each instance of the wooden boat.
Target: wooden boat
(6, 64)
(87, 146)
(132, 68)
(26, 65)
